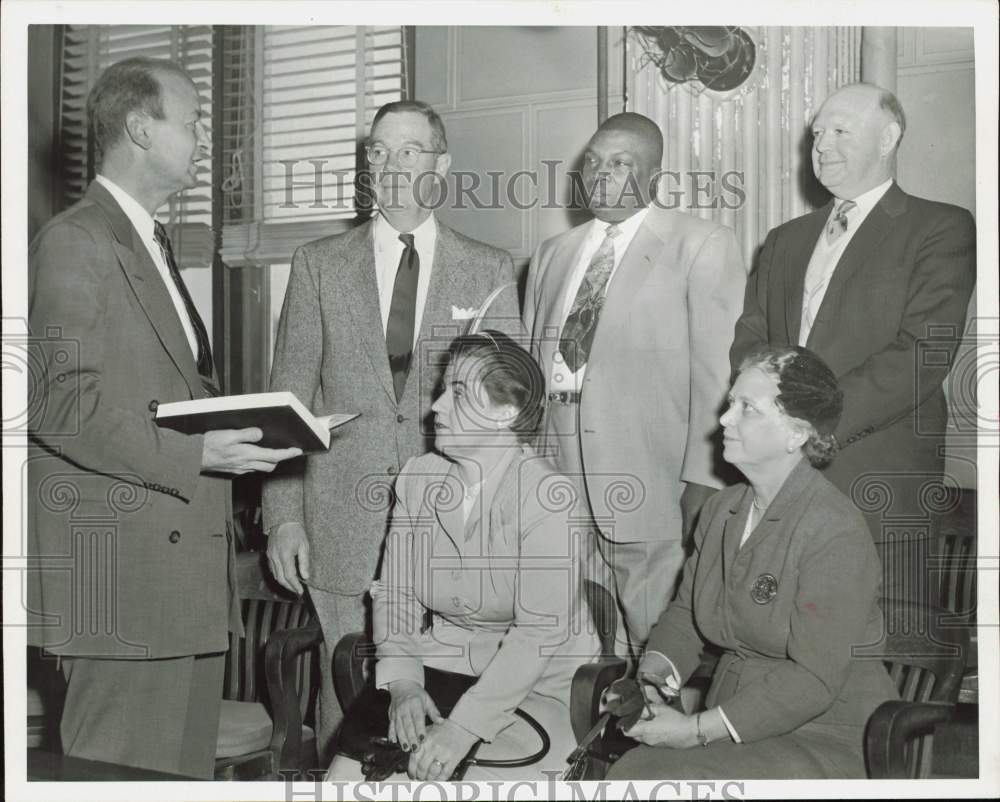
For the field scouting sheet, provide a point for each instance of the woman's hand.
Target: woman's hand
(441, 751)
(667, 727)
(411, 705)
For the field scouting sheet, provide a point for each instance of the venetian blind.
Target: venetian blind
(298, 102)
(87, 51)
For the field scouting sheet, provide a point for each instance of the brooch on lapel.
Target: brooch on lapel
(765, 588)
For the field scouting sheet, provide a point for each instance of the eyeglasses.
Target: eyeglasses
(407, 156)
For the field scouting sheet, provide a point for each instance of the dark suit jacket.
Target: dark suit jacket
(788, 663)
(132, 543)
(330, 351)
(889, 325)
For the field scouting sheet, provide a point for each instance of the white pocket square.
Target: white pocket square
(457, 313)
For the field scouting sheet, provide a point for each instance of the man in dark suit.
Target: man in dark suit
(366, 316)
(129, 523)
(877, 283)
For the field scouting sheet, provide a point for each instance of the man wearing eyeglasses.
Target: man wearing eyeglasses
(365, 315)
(630, 317)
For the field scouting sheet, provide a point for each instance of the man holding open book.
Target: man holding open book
(366, 318)
(128, 522)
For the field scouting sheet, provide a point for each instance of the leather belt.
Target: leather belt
(565, 397)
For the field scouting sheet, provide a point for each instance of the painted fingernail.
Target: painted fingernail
(421, 739)
(406, 747)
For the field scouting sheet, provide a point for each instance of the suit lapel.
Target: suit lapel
(799, 253)
(148, 287)
(361, 287)
(636, 265)
(860, 250)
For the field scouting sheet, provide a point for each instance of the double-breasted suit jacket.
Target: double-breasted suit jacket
(503, 587)
(131, 542)
(331, 352)
(888, 326)
(788, 607)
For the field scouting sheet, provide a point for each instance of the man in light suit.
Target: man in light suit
(630, 317)
(367, 317)
(877, 283)
(129, 523)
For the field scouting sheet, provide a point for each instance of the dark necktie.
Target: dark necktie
(201, 335)
(402, 315)
(578, 333)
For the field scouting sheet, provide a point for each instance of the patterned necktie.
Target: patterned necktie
(201, 335)
(816, 280)
(578, 333)
(838, 225)
(402, 315)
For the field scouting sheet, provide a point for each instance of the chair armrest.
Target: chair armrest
(891, 726)
(589, 683)
(281, 654)
(349, 656)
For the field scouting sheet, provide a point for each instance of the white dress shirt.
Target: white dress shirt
(825, 255)
(562, 378)
(388, 250)
(143, 224)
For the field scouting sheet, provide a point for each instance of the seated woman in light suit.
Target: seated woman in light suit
(785, 578)
(477, 540)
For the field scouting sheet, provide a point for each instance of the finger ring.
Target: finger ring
(438, 763)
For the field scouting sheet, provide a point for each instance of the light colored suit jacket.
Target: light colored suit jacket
(504, 588)
(789, 607)
(330, 351)
(132, 542)
(657, 373)
(888, 327)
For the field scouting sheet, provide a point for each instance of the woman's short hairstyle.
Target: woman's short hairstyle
(510, 375)
(807, 391)
(128, 85)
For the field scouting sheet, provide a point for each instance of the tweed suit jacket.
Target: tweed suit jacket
(657, 372)
(330, 351)
(132, 542)
(788, 664)
(888, 326)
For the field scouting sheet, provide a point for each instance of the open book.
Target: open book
(284, 419)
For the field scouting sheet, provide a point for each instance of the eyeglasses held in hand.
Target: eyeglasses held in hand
(407, 156)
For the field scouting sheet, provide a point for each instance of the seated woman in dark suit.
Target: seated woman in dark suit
(477, 540)
(785, 578)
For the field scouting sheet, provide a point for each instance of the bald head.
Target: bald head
(855, 136)
(619, 163)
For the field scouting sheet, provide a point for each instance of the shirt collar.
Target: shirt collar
(138, 217)
(424, 235)
(866, 201)
(626, 228)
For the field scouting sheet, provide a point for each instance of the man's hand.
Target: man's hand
(285, 545)
(233, 451)
(692, 500)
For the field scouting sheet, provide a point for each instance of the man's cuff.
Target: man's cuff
(729, 726)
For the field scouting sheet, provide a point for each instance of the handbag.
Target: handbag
(362, 736)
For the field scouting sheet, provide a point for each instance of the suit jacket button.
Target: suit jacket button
(174, 536)
(391, 470)
(153, 405)
(457, 602)
(400, 419)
